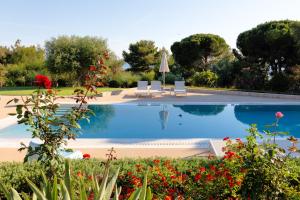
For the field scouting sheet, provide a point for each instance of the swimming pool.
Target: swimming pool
(176, 121)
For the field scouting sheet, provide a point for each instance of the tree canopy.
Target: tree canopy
(141, 55)
(199, 50)
(274, 44)
(72, 55)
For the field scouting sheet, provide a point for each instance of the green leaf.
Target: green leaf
(5, 191)
(66, 195)
(83, 195)
(14, 194)
(110, 186)
(135, 195)
(68, 180)
(144, 187)
(54, 192)
(103, 185)
(149, 195)
(35, 189)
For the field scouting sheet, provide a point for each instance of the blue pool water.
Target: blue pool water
(178, 121)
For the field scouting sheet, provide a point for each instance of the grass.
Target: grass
(63, 91)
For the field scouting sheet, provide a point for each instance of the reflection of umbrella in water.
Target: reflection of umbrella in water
(163, 116)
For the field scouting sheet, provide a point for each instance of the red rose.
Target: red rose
(226, 138)
(43, 81)
(86, 156)
(279, 115)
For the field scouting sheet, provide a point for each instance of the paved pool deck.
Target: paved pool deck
(10, 153)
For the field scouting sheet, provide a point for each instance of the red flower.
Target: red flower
(92, 68)
(91, 196)
(279, 115)
(209, 177)
(79, 174)
(231, 184)
(226, 138)
(171, 191)
(202, 169)
(172, 177)
(197, 177)
(168, 198)
(43, 81)
(213, 168)
(229, 154)
(86, 156)
(156, 161)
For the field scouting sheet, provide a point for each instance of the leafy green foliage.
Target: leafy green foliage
(69, 58)
(124, 79)
(53, 189)
(148, 76)
(2, 76)
(141, 56)
(272, 43)
(39, 112)
(205, 78)
(197, 52)
(19, 64)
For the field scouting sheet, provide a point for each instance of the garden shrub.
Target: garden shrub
(14, 174)
(124, 80)
(170, 78)
(294, 79)
(195, 178)
(148, 76)
(279, 82)
(205, 78)
(251, 79)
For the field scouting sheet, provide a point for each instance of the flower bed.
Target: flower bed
(195, 178)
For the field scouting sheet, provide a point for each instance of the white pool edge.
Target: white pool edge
(201, 143)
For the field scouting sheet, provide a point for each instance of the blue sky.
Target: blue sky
(125, 21)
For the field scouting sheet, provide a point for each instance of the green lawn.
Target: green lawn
(63, 91)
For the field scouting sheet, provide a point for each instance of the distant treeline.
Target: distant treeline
(267, 58)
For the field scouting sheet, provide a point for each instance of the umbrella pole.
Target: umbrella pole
(164, 79)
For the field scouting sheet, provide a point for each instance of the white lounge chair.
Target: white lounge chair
(155, 88)
(142, 88)
(180, 88)
(76, 154)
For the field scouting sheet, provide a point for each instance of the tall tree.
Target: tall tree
(271, 44)
(141, 55)
(198, 51)
(71, 56)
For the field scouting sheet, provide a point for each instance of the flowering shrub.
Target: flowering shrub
(43, 81)
(249, 169)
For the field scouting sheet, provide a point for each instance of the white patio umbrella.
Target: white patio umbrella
(164, 67)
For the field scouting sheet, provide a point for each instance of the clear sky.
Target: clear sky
(125, 21)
